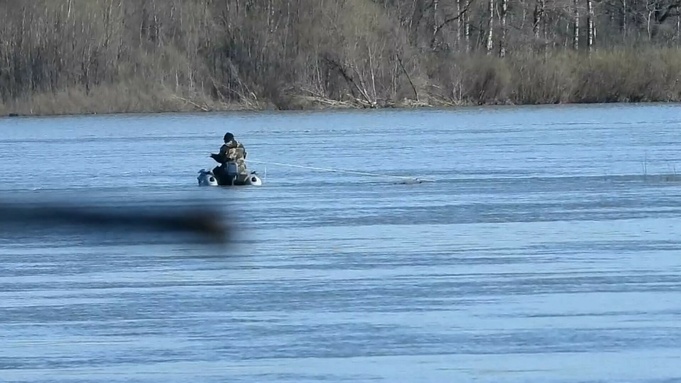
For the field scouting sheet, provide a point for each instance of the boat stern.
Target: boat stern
(207, 178)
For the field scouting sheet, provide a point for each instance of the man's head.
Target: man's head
(228, 137)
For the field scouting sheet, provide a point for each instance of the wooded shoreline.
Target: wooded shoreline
(123, 56)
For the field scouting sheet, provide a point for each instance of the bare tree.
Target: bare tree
(590, 25)
(575, 24)
(490, 27)
(502, 38)
(538, 17)
(206, 54)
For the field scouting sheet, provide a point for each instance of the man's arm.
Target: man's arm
(243, 149)
(223, 156)
(227, 152)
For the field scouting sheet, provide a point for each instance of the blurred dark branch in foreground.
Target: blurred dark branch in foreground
(197, 223)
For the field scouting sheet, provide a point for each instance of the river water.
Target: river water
(546, 249)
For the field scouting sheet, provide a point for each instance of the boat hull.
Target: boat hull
(208, 178)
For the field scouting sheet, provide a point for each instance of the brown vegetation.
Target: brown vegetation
(104, 56)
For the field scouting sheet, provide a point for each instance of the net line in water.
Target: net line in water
(404, 179)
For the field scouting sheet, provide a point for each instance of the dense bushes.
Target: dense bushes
(82, 56)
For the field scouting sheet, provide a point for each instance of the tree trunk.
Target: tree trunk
(458, 24)
(467, 31)
(435, 24)
(538, 17)
(575, 25)
(490, 27)
(623, 25)
(416, 20)
(502, 39)
(590, 24)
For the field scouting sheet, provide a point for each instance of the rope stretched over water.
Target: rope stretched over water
(336, 170)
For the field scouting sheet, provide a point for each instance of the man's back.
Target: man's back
(234, 151)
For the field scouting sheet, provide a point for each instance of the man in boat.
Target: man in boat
(232, 151)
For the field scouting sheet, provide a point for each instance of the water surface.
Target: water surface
(546, 250)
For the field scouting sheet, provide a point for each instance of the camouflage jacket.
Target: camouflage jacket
(233, 151)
